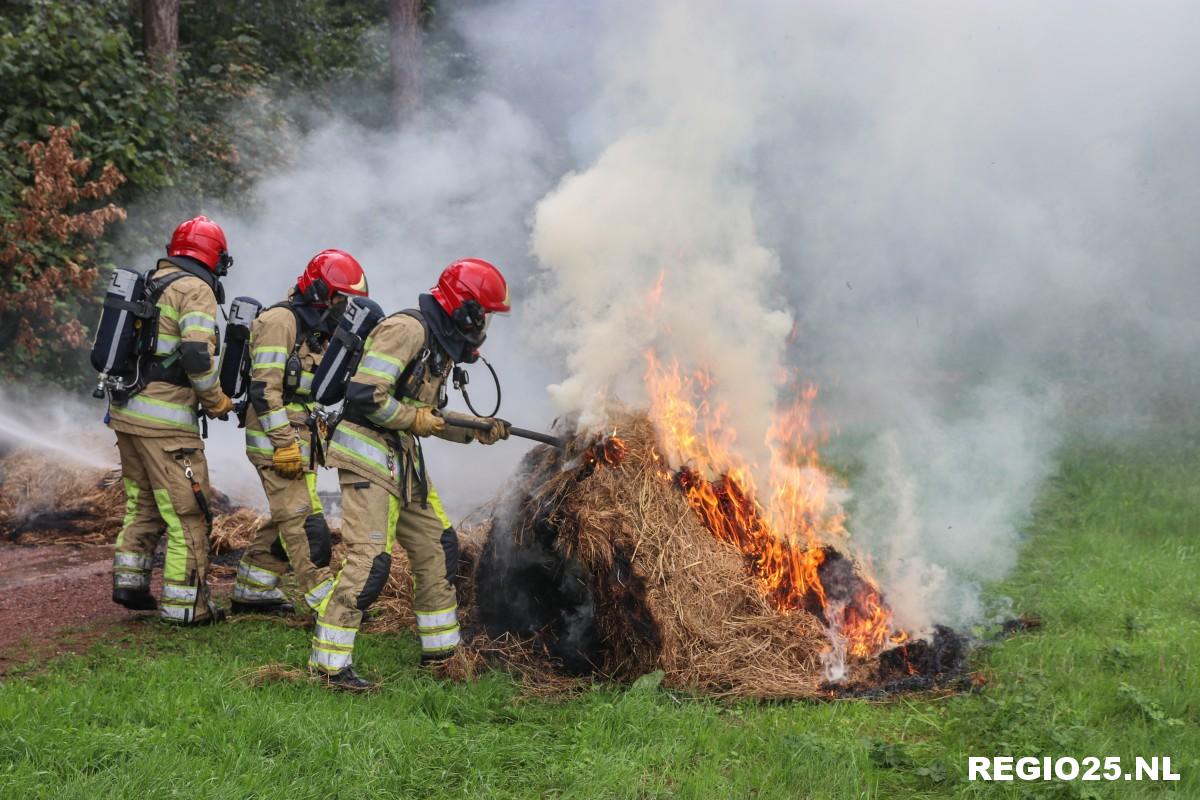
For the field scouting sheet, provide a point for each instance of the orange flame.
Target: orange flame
(782, 538)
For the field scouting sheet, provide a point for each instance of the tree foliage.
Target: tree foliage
(88, 128)
(76, 64)
(48, 251)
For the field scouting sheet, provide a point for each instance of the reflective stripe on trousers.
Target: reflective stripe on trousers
(440, 642)
(438, 630)
(178, 602)
(257, 585)
(315, 595)
(131, 570)
(332, 647)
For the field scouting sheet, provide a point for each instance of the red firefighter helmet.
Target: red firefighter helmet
(202, 239)
(329, 273)
(472, 279)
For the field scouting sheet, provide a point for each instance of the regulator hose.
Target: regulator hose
(461, 379)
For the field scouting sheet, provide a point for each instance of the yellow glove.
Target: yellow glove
(499, 431)
(426, 423)
(287, 461)
(221, 408)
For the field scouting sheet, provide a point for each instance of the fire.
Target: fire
(782, 528)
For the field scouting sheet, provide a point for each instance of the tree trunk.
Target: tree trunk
(160, 33)
(405, 19)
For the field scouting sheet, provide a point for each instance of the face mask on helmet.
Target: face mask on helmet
(224, 264)
(337, 307)
(472, 321)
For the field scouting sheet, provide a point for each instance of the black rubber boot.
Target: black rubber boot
(281, 609)
(135, 599)
(348, 680)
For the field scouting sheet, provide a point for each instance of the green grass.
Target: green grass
(1111, 564)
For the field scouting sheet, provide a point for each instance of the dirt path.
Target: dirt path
(57, 599)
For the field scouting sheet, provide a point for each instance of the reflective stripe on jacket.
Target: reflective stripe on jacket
(187, 313)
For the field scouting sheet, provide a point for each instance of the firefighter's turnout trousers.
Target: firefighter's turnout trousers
(295, 534)
(159, 498)
(373, 520)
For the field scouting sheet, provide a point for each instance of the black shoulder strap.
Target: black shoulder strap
(156, 286)
(301, 333)
(405, 377)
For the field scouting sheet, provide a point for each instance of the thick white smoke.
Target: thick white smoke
(668, 210)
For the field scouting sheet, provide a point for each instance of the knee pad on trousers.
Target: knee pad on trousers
(381, 566)
(320, 541)
(277, 549)
(450, 548)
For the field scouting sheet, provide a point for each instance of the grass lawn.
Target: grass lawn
(1112, 564)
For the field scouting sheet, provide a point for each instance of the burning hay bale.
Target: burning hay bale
(600, 563)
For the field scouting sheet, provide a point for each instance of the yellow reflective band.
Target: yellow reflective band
(205, 382)
(166, 344)
(386, 413)
(375, 374)
(435, 502)
(258, 443)
(274, 420)
(311, 479)
(393, 519)
(132, 493)
(175, 567)
(324, 604)
(146, 408)
(168, 311)
(395, 362)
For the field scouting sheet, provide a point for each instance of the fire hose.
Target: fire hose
(477, 424)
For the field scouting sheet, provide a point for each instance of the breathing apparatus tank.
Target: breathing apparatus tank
(345, 350)
(235, 359)
(127, 328)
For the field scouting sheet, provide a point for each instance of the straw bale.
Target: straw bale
(665, 594)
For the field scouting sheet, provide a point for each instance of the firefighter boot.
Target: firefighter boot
(346, 680)
(281, 609)
(135, 599)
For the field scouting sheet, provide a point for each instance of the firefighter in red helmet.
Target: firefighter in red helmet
(286, 343)
(158, 431)
(392, 401)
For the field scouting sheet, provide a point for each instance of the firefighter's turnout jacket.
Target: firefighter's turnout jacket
(158, 437)
(277, 416)
(388, 497)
